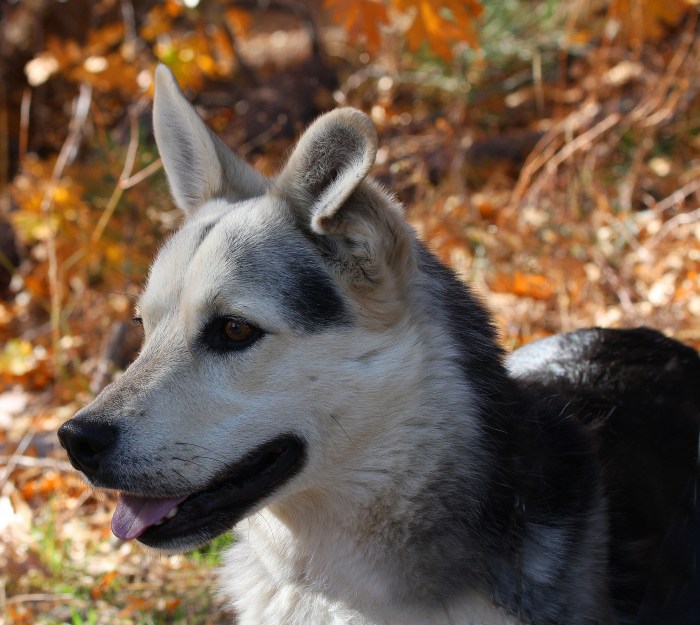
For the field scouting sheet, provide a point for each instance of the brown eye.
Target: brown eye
(238, 331)
(226, 334)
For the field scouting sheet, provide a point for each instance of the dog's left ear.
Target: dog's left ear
(198, 164)
(360, 228)
(330, 161)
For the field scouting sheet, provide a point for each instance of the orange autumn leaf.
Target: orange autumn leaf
(134, 606)
(20, 614)
(648, 20)
(103, 39)
(43, 485)
(239, 20)
(172, 604)
(532, 285)
(362, 19)
(104, 584)
(174, 8)
(524, 285)
(440, 27)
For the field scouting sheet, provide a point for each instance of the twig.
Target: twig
(665, 100)
(677, 196)
(537, 82)
(69, 149)
(141, 175)
(679, 220)
(41, 597)
(12, 461)
(68, 152)
(581, 141)
(129, 20)
(548, 145)
(32, 462)
(660, 95)
(667, 109)
(619, 227)
(76, 504)
(628, 183)
(126, 172)
(614, 281)
(551, 162)
(24, 123)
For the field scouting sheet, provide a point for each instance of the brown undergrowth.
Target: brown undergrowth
(556, 167)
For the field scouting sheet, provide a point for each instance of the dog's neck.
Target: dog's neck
(455, 508)
(388, 508)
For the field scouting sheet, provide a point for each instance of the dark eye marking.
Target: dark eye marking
(230, 334)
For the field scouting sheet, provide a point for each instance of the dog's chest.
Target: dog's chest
(266, 588)
(266, 583)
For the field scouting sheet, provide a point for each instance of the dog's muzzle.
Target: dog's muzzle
(86, 443)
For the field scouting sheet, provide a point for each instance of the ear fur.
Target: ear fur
(198, 165)
(358, 227)
(330, 161)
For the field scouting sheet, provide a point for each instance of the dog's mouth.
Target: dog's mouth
(188, 520)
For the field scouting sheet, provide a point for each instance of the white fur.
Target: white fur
(315, 583)
(380, 399)
(318, 553)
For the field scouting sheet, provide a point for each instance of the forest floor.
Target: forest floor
(561, 180)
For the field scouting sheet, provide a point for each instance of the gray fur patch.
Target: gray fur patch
(292, 272)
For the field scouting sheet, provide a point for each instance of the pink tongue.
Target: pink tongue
(134, 515)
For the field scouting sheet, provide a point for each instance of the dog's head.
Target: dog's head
(272, 323)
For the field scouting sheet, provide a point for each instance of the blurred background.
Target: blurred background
(548, 150)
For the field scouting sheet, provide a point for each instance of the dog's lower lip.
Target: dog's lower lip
(207, 513)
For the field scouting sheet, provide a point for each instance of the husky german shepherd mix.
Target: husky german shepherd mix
(314, 376)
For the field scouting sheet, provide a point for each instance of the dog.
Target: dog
(312, 375)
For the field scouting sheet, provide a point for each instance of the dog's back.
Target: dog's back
(637, 393)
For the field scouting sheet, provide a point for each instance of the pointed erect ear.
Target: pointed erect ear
(358, 226)
(199, 166)
(330, 161)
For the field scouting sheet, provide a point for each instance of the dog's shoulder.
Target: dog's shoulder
(614, 361)
(636, 392)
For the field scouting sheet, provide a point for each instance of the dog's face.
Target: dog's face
(271, 319)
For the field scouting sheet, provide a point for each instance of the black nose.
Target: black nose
(86, 442)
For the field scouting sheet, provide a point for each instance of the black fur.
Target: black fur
(539, 470)
(607, 419)
(638, 393)
(294, 275)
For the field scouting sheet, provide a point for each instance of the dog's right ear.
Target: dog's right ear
(199, 166)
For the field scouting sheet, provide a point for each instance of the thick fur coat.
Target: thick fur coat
(314, 375)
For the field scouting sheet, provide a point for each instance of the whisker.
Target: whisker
(212, 451)
(186, 482)
(221, 462)
(191, 461)
(342, 428)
